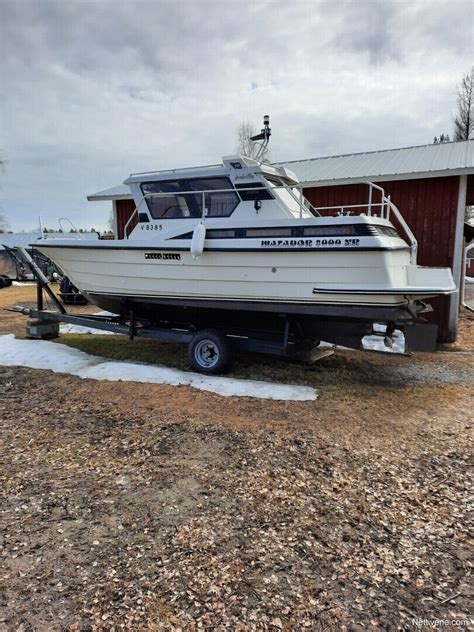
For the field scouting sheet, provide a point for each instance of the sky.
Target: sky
(91, 91)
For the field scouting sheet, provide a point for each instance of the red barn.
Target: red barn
(430, 184)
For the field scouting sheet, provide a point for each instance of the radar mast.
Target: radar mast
(264, 137)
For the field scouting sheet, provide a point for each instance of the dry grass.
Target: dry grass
(25, 295)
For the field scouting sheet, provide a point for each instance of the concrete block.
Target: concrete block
(41, 330)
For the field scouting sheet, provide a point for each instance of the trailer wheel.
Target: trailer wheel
(2, 282)
(7, 281)
(208, 352)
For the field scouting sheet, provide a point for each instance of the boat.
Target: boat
(238, 243)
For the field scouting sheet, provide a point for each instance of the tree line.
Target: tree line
(463, 121)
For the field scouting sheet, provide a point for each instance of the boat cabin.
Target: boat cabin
(239, 184)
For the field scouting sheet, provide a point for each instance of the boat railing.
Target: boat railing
(75, 232)
(64, 233)
(384, 209)
(409, 235)
(388, 207)
(129, 221)
(173, 171)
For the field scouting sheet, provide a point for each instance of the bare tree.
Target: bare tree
(3, 223)
(464, 119)
(111, 222)
(245, 146)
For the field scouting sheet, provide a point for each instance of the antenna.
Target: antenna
(264, 136)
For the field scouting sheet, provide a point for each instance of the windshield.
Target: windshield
(290, 196)
(170, 200)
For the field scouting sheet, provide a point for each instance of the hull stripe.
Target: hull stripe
(182, 249)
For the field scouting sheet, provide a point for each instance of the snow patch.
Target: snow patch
(66, 328)
(376, 343)
(41, 354)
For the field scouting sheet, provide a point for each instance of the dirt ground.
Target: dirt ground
(149, 507)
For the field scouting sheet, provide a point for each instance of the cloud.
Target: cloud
(93, 91)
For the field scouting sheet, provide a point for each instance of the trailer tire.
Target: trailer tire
(2, 282)
(208, 352)
(7, 281)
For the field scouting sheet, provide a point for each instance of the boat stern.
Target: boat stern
(435, 281)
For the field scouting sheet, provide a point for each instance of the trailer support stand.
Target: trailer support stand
(131, 328)
(39, 296)
(286, 337)
(42, 280)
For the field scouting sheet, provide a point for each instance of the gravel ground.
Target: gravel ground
(149, 507)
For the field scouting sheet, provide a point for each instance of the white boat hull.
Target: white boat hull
(372, 278)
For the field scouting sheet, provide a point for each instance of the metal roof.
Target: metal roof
(407, 162)
(120, 192)
(404, 163)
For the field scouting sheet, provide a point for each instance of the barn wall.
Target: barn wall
(124, 210)
(470, 191)
(429, 206)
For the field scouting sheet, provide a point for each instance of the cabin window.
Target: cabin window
(387, 230)
(170, 203)
(219, 200)
(268, 232)
(178, 204)
(250, 191)
(220, 234)
(321, 231)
